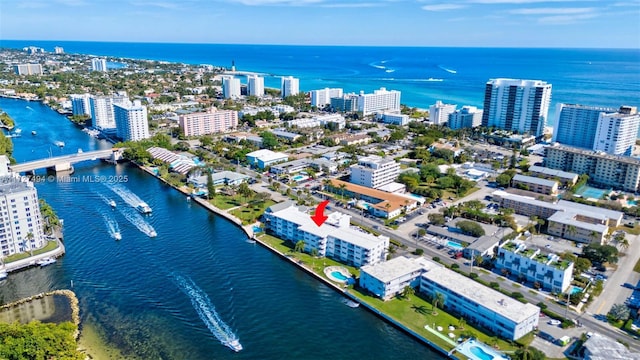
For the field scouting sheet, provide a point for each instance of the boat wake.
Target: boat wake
(112, 226)
(451, 71)
(207, 313)
(129, 197)
(136, 220)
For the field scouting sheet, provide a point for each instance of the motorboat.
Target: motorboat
(46, 261)
(59, 143)
(144, 208)
(18, 131)
(3, 274)
(350, 303)
(153, 233)
(234, 345)
(112, 203)
(117, 235)
(33, 132)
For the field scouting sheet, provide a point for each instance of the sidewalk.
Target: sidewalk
(32, 260)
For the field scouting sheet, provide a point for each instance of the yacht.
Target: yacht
(234, 345)
(112, 203)
(3, 274)
(153, 234)
(143, 208)
(46, 261)
(59, 143)
(33, 132)
(18, 131)
(117, 236)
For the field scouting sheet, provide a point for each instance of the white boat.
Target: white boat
(153, 233)
(79, 151)
(144, 208)
(112, 203)
(59, 143)
(3, 274)
(117, 236)
(234, 345)
(18, 131)
(350, 303)
(251, 241)
(46, 261)
(33, 132)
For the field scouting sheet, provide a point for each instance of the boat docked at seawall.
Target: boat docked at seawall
(234, 345)
(144, 208)
(350, 303)
(3, 274)
(46, 261)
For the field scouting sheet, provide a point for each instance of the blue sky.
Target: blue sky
(485, 23)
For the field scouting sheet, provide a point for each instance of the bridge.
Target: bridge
(62, 163)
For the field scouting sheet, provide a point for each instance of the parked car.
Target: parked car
(554, 322)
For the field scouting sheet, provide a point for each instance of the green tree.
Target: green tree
(619, 312)
(269, 140)
(470, 228)
(581, 265)
(36, 340)
(245, 191)
(528, 353)
(436, 219)
(211, 189)
(30, 237)
(299, 246)
(407, 291)
(597, 253)
(438, 301)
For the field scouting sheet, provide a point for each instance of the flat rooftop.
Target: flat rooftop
(534, 180)
(475, 292)
(393, 269)
(552, 172)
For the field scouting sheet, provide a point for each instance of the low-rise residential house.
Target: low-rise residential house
(547, 269)
(219, 178)
(538, 185)
(566, 178)
(264, 158)
(379, 203)
(388, 279)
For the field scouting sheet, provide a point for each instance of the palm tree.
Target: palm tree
(342, 189)
(461, 323)
(438, 300)
(387, 206)
(245, 191)
(299, 246)
(624, 243)
(30, 237)
(408, 291)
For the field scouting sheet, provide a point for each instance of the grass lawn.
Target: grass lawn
(636, 268)
(634, 230)
(516, 285)
(224, 202)
(250, 213)
(50, 246)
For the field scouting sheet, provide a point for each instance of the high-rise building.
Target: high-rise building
(289, 86)
(102, 114)
(345, 103)
(617, 132)
(517, 105)
(22, 226)
(81, 104)
(98, 64)
(58, 50)
(380, 100)
(576, 125)
(209, 122)
(467, 117)
(439, 112)
(28, 69)
(322, 98)
(374, 171)
(255, 85)
(131, 121)
(230, 87)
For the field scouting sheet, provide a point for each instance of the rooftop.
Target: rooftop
(395, 200)
(534, 180)
(267, 155)
(390, 270)
(600, 347)
(599, 154)
(569, 218)
(482, 295)
(552, 172)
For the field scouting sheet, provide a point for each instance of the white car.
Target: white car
(554, 322)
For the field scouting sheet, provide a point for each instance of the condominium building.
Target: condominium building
(209, 122)
(345, 103)
(322, 98)
(131, 121)
(566, 178)
(28, 69)
(576, 125)
(439, 113)
(289, 86)
(613, 171)
(538, 185)
(102, 113)
(264, 158)
(335, 121)
(617, 132)
(98, 64)
(230, 87)
(517, 105)
(394, 118)
(81, 104)
(379, 100)
(467, 117)
(374, 171)
(58, 50)
(21, 224)
(380, 203)
(582, 227)
(475, 302)
(388, 279)
(255, 85)
(335, 238)
(547, 269)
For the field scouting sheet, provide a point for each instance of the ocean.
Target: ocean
(604, 77)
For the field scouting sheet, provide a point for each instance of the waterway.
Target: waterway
(131, 289)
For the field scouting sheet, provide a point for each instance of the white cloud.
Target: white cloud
(565, 19)
(490, 2)
(551, 11)
(276, 2)
(352, 5)
(159, 4)
(442, 7)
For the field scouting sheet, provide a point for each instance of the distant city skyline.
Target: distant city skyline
(458, 23)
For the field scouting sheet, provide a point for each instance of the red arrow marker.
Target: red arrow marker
(319, 218)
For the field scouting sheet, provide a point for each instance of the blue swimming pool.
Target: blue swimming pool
(338, 275)
(300, 178)
(632, 202)
(476, 350)
(455, 245)
(575, 290)
(257, 229)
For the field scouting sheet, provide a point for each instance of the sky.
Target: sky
(457, 23)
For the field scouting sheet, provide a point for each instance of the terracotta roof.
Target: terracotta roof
(396, 201)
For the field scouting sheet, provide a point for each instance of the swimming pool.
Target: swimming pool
(299, 178)
(455, 245)
(575, 290)
(476, 350)
(338, 275)
(590, 192)
(257, 229)
(632, 202)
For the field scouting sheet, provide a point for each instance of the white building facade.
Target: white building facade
(439, 112)
(28, 69)
(322, 98)
(374, 171)
(102, 113)
(81, 104)
(517, 105)
(289, 86)
(230, 87)
(255, 85)
(99, 64)
(131, 121)
(576, 125)
(388, 279)
(617, 132)
(209, 122)
(379, 100)
(467, 117)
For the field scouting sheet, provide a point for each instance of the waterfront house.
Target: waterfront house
(264, 158)
(388, 279)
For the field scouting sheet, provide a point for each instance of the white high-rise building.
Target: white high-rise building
(467, 117)
(102, 114)
(576, 125)
(374, 171)
(28, 69)
(131, 121)
(98, 64)
(289, 86)
(255, 85)
(209, 122)
(81, 104)
(439, 112)
(380, 100)
(322, 98)
(58, 50)
(230, 87)
(617, 132)
(19, 205)
(517, 105)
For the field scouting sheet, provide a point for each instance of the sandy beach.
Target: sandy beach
(93, 344)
